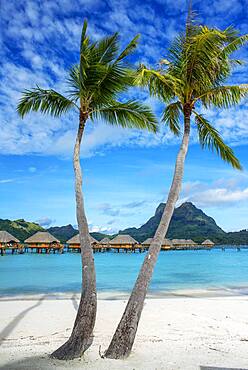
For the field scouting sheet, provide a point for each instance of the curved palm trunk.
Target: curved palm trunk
(82, 334)
(124, 336)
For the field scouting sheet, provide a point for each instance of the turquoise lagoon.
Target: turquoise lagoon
(116, 272)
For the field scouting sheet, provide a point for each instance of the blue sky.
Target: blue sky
(126, 172)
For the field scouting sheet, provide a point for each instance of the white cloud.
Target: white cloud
(45, 222)
(221, 192)
(220, 196)
(6, 181)
(48, 35)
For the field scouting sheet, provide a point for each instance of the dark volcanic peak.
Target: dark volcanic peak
(188, 222)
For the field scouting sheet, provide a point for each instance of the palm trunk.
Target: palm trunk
(82, 334)
(123, 339)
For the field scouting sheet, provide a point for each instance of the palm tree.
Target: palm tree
(95, 84)
(198, 64)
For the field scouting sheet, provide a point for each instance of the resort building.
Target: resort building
(104, 244)
(105, 241)
(44, 241)
(74, 243)
(183, 243)
(207, 243)
(167, 244)
(8, 241)
(125, 242)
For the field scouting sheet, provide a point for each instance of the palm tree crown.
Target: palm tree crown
(94, 86)
(198, 64)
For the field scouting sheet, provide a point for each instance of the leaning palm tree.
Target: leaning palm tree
(198, 64)
(95, 85)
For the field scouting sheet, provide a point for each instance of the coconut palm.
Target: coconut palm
(199, 62)
(95, 85)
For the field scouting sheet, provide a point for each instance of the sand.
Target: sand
(174, 333)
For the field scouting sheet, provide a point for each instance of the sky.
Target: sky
(126, 173)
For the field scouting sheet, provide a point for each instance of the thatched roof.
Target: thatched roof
(183, 242)
(123, 239)
(207, 242)
(166, 242)
(75, 240)
(191, 242)
(6, 237)
(147, 241)
(42, 237)
(105, 241)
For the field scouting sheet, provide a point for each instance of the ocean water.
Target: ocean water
(175, 270)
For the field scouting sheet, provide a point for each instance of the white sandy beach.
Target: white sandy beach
(174, 333)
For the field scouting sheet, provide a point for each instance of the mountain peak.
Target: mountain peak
(188, 222)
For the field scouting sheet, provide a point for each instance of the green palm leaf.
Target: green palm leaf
(45, 101)
(210, 138)
(107, 49)
(131, 114)
(224, 96)
(171, 116)
(129, 49)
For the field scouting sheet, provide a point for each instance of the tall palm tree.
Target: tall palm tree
(198, 64)
(95, 85)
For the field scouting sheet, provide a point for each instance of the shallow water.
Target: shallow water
(175, 270)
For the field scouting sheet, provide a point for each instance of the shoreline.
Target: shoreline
(210, 292)
(174, 334)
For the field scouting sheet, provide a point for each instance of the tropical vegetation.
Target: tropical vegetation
(192, 76)
(95, 88)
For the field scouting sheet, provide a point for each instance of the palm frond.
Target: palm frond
(84, 39)
(107, 48)
(209, 137)
(160, 84)
(171, 116)
(129, 49)
(234, 45)
(130, 114)
(45, 101)
(224, 96)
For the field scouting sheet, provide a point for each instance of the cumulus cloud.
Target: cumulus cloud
(41, 42)
(102, 229)
(45, 222)
(220, 196)
(222, 192)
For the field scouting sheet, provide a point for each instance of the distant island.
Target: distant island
(188, 222)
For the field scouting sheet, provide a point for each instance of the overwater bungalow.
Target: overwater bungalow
(74, 243)
(104, 244)
(167, 244)
(183, 243)
(105, 241)
(207, 243)
(8, 241)
(124, 242)
(44, 241)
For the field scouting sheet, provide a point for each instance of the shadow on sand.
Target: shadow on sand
(37, 363)
(11, 326)
(74, 301)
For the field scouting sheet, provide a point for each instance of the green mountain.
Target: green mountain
(188, 222)
(63, 233)
(21, 229)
